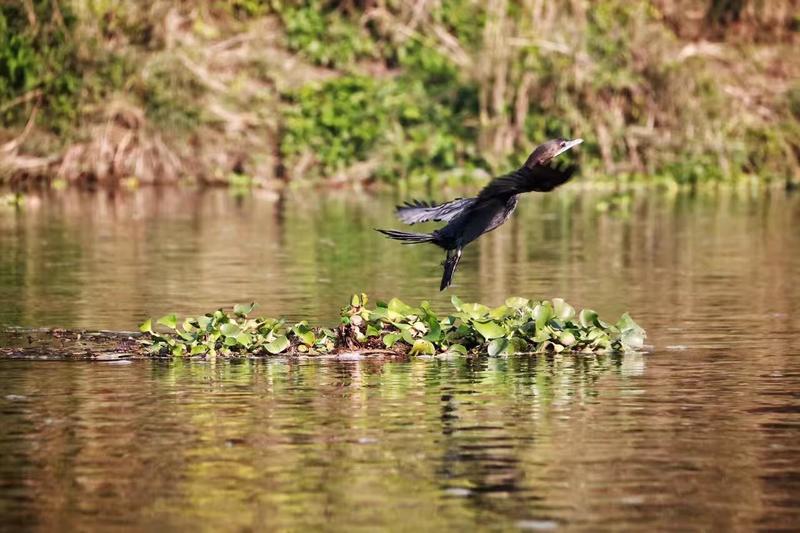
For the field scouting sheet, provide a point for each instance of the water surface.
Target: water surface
(701, 432)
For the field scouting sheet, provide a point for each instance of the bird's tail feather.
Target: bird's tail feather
(407, 237)
(450, 265)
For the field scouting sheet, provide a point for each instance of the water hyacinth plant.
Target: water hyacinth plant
(518, 326)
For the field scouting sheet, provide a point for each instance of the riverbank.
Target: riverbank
(248, 93)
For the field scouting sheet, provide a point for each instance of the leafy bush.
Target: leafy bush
(518, 326)
(324, 34)
(38, 58)
(394, 122)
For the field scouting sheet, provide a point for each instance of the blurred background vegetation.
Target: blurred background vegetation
(388, 91)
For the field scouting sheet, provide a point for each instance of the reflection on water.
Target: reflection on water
(702, 431)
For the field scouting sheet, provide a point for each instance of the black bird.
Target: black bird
(469, 218)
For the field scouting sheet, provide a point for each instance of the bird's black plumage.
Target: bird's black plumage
(469, 218)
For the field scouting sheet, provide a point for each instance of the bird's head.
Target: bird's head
(545, 153)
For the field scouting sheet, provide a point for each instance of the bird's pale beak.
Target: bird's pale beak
(568, 145)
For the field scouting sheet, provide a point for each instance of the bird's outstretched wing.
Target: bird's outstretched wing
(417, 211)
(540, 178)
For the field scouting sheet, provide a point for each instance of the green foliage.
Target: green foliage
(356, 118)
(339, 121)
(417, 94)
(520, 325)
(39, 58)
(324, 34)
(231, 334)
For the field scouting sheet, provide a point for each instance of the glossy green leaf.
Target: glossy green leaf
(566, 338)
(502, 312)
(397, 306)
(489, 330)
(390, 338)
(170, 321)
(244, 309)
(475, 311)
(562, 309)
(230, 341)
(588, 318)
(435, 332)
(279, 345)
(515, 302)
(497, 347)
(204, 322)
(457, 348)
(230, 329)
(542, 313)
(199, 350)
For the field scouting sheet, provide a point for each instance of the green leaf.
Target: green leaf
(515, 302)
(497, 347)
(308, 338)
(244, 309)
(146, 326)
(199, 349)
(542, 313)
(588, 318)
(179, 350)
(502, 312)
(170, 321)
(625, 322)
(489, 330)
(457, 303)
(279, 345)
(390, 338)
(372, 331)
(204, 322)
(230, 329)
(566, 338)
(422, 347)
(230, 341)
(399, 307)
(475, 311)
(562, 309)
(244, 339)
(435, 333)
(304, 333)
(457, 348)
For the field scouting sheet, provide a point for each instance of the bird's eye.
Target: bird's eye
(563, 144)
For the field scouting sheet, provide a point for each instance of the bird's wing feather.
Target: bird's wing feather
(541, 178)
(416, 211)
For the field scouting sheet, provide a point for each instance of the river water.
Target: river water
(700, 432)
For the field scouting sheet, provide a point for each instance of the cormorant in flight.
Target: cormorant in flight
(469, 218)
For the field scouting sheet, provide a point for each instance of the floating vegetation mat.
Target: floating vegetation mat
(60, 344)
(518, 326)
